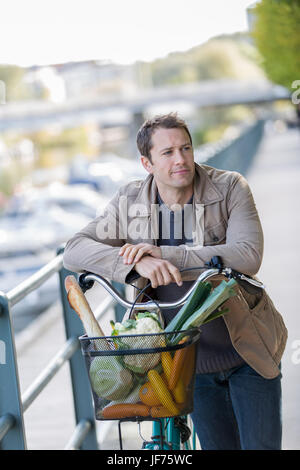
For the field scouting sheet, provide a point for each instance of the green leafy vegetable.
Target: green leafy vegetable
(109, 378)
(195, 300)
(207, 311)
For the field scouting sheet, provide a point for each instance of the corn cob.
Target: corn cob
(162, 392)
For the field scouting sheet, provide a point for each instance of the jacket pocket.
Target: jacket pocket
(216, 234)
(268, 323)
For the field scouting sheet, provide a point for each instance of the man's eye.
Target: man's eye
(187, 147)
(168, 152)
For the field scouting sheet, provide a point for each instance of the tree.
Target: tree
(13, 78)
(231, 56)
(277, 36)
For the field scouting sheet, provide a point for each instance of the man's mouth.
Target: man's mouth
(181, 172)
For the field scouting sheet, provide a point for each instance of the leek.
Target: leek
(195, 300)
(208, 310)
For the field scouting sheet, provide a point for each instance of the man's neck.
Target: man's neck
(178, 196)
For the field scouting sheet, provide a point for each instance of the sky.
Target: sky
(41, 32)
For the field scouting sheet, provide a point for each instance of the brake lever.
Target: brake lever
(250, 285)
(215, 262)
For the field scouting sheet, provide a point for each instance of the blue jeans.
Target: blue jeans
(237, 409)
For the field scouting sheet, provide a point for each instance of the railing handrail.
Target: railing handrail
(30, 284)
(65, 353)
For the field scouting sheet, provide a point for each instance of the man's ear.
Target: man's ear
(147, 164)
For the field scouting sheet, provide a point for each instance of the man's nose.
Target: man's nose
(179, 157)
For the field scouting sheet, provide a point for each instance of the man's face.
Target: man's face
(172, 158)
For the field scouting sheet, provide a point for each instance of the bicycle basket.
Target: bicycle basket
(141, 376)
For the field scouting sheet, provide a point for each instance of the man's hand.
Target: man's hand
(134, 253)
(159, 271)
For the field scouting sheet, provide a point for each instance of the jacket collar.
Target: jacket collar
(205, 191)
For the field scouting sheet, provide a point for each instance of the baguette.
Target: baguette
(79, 303)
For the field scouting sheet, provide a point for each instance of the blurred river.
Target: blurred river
(39, 220)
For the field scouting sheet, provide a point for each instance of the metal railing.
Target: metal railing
(236, 154)
(12, 404)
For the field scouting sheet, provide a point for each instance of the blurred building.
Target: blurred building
(77, 80)
(45, 83)
(251, 15)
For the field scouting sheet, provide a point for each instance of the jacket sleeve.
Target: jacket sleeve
(96, 247)
(243, 250)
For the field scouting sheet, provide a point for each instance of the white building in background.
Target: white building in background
(80, 80)
(46, 83)
(93, 78)
(251, 15)
(2, 92)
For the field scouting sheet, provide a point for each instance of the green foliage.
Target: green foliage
(7, 181)
(56, 148)
(13, 78)
(222, 57)
(277, 36)
(213, 122)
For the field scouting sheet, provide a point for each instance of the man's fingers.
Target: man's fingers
(141, 252)
(133, 253)
(154, 280)
(123, 248)
(128, 251)
(129, 254)
(167, 276)
(176, 274)
(159, 272)
(166, 273)
(160, 278)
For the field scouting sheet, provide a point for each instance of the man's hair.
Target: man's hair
(165, 121)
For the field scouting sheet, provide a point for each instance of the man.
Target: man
(180, 216)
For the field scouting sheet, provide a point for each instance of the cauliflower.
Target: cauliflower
(145, 323)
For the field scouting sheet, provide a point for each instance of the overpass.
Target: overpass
(124, 109)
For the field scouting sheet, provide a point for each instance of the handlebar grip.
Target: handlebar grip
(132, 276)
(85, 285)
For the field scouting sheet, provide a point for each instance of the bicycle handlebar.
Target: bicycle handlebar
(86, 281)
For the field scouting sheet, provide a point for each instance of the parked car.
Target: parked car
(106, 174)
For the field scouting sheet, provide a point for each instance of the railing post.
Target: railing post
(10, 397)
(82, 395)
(119, 310)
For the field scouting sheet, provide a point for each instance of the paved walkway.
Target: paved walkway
(275, 182)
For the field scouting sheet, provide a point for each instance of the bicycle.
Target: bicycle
(172, 433)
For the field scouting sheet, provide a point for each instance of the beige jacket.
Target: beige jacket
(225, 223)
